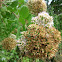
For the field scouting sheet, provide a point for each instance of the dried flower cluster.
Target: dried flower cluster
(8, 43)
(12, 36)
(36, 6)
(41, 42)
(21, 43)
(44, 19)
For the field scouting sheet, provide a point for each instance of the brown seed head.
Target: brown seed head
(37, 6)
(9, 43)
(39, 45)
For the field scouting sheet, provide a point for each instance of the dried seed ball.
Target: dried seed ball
(36, 6)
(53, 40)
(43, 19)
(35, 36)
(55, 33)
(12, 36)
(21, 43)
(41, 42)
(35, 30)
(9, 43)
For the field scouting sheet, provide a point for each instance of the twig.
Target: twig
(15, 15)
(4, 4)
(0, 3)
(12, 12)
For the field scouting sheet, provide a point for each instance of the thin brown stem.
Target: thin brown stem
(0, 3)
(4, 4)
(15, 15)
(12, 12)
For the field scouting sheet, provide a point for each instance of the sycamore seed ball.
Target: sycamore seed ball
(37, 6)
(9, 43)
(41, 42)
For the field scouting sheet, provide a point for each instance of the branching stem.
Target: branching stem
(12, 12)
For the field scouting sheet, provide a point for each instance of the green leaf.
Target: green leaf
(18, 32)
(17, 56)
(3, 14)
(24, 59)
(37, 60)
(40, 60)
(24, 11)
(27, 59)
(14, 4)
(21, 19)
(21, 1)
(14, 60)
(9, 8)
(29, 19)
(3, 9)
